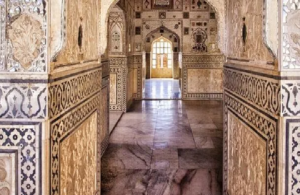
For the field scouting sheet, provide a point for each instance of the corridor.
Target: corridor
(165, 147)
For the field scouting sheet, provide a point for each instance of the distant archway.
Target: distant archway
(161, 62)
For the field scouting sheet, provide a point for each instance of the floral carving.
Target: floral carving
(25, 34)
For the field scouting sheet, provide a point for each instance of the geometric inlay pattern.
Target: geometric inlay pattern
(291, 99)
(27, 137)
(293, 156)
(23, 100)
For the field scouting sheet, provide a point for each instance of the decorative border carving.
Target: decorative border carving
(292, 156)
(203, 96)
(23, 100)
(118, 66)
(26, 137)
(261, 124)
(68, 92)
(260, 91)
(136, 62)
(290, 98)
(207, 60)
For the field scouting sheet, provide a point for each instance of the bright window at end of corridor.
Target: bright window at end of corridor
(162, 53)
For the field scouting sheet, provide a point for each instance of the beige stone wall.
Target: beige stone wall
(79, 41)
(202, 77)
(247, 16)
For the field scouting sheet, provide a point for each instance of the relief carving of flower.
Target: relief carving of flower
(25, 34)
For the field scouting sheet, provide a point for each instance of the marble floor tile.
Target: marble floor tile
(164, 182)
(165, 148)
(204, 142)
(164, 158)
(200, 158)
(125, 156)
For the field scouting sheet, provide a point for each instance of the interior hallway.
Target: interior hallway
(166, 147)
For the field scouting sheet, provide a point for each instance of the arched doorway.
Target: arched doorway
(162, 48)
(161, 58)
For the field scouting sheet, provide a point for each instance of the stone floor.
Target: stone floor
(162, 89)
(165, 148)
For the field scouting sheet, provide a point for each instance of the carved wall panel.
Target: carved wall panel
(81, 32)
(105, 8)
(9, 177)
(205, 80)
(136, 64)
(246, 159)
(117, 30)
(291, 35)
(113, 89)
(23, 36)
(78, 159)
(202, 76)
(118, 69)
(259, 120)
(72, 101)
(22, 141)
(245, 26)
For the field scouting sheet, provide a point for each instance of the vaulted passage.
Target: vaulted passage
(166, 147)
